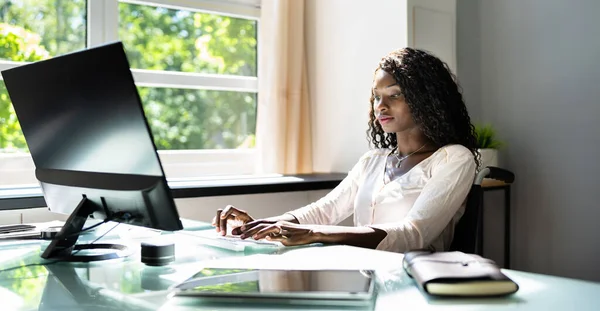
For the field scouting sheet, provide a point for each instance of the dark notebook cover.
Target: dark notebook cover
(457, 274)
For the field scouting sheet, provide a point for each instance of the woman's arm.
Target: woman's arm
(338, 204)
(291, 234)
(366, 237)
(287, 217)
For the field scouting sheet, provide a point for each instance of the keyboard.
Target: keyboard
(16, 228)
(212, 238)
(18, 232)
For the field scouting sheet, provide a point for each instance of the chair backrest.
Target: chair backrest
(467, 233)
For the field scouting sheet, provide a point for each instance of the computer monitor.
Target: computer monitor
(94, 154)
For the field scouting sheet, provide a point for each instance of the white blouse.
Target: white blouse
(417, 210)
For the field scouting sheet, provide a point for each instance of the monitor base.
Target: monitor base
(63, 246)
(121, 251)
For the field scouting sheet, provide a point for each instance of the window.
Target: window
(194, 63)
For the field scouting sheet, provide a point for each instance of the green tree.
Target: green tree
(60, 24)
(174, 40)
(156, 39)
(16, 44)
(32, 30)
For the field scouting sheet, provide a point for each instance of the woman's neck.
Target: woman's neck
(411, 140)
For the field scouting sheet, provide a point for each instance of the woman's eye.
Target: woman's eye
(376, 97)
(396, 95)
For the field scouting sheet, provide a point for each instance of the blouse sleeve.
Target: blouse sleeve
(338, 204)
(439, 201)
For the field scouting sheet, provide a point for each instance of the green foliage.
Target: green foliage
(155, 39)
(175, 40)
(486, 137)
(20, 45)
(247, 286)
(16, 44)
(27, 281)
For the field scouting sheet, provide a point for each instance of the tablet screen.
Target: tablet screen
(324, 284)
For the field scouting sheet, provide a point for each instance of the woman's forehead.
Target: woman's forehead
(383, 76)
(384, 80)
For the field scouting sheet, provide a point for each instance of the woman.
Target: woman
(411, 189)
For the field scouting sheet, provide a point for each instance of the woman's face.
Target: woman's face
(389, 105)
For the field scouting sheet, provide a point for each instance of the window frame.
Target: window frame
(102, 28)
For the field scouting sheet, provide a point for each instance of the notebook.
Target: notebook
(457, 274)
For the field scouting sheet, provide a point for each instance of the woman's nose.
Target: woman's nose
(380, 106)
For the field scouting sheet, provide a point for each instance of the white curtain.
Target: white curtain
(283, 133)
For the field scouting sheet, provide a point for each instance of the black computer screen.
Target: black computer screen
(89, 139)
(80, 112)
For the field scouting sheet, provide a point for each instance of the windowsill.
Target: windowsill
(31, 196)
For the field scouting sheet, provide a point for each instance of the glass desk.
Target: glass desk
(127, 284)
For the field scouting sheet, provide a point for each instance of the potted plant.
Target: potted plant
(488, 144)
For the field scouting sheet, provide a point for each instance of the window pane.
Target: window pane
(200, 119)
(177, 40)
(11, 136)
(32, 30)
(179, 118)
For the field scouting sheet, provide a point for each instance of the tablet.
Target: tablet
(305, 287)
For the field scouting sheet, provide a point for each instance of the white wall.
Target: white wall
(345, 41)
(539, 87)
(432, 27)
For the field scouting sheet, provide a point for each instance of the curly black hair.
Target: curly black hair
(434, 97)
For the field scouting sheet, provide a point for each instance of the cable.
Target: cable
(56, 261)
(83, 230)
(98, 238)
(121, 216)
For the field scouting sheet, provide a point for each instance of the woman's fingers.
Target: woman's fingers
(251, 232)
(230, 212)
(287, 234)
(222, 223)
(217, 220)
(290, 239)
(272, 230)
(250, 225)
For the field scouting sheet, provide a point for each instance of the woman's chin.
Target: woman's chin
(388, 129)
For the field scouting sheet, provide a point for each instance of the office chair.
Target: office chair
(468, 233)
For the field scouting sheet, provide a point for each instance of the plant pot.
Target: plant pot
(489, 157)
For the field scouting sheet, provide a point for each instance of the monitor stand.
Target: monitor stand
(63, 245)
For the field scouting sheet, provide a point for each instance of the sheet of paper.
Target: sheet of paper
(314, 257)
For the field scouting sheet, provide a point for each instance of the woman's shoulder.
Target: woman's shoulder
(376, 153)
(452, 151)
(455, 155)
(374, 156)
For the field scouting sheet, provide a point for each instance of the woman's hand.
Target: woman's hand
(289, 234)
(230, 216)
(240, 220)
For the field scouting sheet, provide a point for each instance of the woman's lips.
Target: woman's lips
(384, 120)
